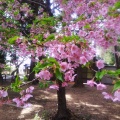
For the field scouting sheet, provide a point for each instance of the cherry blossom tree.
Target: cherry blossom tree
(61, 41)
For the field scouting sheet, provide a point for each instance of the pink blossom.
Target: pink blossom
(107, 96)
(30, 89)
(90, 83)
(3, 93)
(73, 77)
(83, 60)
(22, 92)
(101, 86)
(26, 97)
(104, 11)
(39, 51)
(100, 64)
(54, 87)
(61, 48)
(18, 40)
(27, 105)
(68, 75)
(46, 35)
(82, 33)
(18, 102)
(74, 49)
(64, 66)
(44, 74)
(64, 84)
(34, 41)
(117, 95)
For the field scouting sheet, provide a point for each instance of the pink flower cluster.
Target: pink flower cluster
(19, 40)
(25, 95)
(44, 74)
(114, 98)
(56, 87)
(64, 66)
(68, 76)
(100, 64)
(100, 86)
(92, 83)
(3, 93)
(71, 52)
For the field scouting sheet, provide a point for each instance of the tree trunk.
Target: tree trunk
(1, 78)
(32, 73)
(63, 113)
(79, 79)
(117, 58)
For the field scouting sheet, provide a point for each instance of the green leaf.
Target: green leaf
(41, 85)
(64, 24)
(112, 73)
(117, 5)
(48, 62)
(36, 117)
(25, 78)
(44, 84)
(16, 12)
(40, 66)
(99, 75)
(118, 71)
(12, 40)
(70, 38)
(116, 86)
(81, 17)
(58, 74)
(87, 26)
(16, 85)
(39, 37)
(49, 82)
(50, 37)
(53, 60)
(64, 1)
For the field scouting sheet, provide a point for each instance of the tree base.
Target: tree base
(63, 115)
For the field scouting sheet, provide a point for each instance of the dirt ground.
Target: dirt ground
(84, 103)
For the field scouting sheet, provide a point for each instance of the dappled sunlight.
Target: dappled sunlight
(91, 105)
(68, 97)
(86, 104)
(45, 94)
(29, 110)
(96, 109)
(116, 116)
(49, 95)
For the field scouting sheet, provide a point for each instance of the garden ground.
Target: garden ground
(84, 103)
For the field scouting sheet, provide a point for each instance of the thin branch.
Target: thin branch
(28, 82)
(17, 67)
(37, 3)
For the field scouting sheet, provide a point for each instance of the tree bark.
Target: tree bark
(32, 73)
(78, 79)
(117, 59)
(63, 113)
(1, 78)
